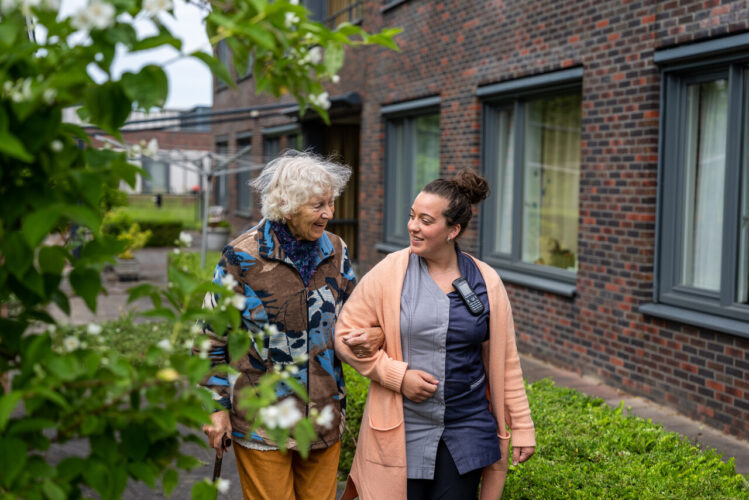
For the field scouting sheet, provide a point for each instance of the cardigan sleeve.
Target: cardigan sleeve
(364, 310)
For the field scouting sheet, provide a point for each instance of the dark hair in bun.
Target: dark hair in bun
(465, 189)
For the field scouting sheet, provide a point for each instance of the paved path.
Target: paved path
(153, 270)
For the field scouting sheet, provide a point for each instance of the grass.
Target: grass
(586, 450)
(173, 208)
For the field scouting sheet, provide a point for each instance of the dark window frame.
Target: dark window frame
(715, 310)
(407, 111)
(221, 146)
(243, 139)
(515, 94)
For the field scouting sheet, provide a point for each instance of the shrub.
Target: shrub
(357, 387)
(191, 260)
(163, 233)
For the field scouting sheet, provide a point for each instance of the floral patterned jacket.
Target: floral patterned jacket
(304, 316)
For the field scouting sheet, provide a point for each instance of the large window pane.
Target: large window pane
(505, 166)
(219, 187)
(426, 153)
(244, 192)
(159, 176)
(551, 179)
(742, 282)
(271, 148)
(704, 170)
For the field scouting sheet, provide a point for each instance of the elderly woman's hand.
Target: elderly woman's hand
(219, 432)
(365, 342)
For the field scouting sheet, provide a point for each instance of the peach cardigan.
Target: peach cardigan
(379, 468)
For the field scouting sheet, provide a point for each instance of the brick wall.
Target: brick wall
(449, 48)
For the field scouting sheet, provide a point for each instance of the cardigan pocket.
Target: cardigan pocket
(383, 436)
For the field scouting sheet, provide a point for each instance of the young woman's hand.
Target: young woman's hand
(418, 385)
(522, 453)
(219, 432)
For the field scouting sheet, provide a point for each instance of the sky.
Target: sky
(190, 82)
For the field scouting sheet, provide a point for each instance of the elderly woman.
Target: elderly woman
(448, 384)
(295, 277)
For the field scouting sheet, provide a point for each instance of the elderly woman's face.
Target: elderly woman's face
(310, 221)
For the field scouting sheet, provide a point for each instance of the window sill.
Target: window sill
(544, 284)
(384, 247)
(242, 213)
(391, 5)
(696, 318)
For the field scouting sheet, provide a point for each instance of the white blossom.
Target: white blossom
(7, 6)
(271, 330)
(238, 301)
(152, 148)
(195, 329)
(320, 100)
(222, 485)
(96, 15)
(51, 5)
(27, 5)
(164, 345)
(284, 415)
(204, 346)
(335, 78)
(52, 329)
(56, 146)
(71, 343)
(313, 56)
(175, 252)
(185, 238)
(254, 113)
(292, 369)
(228, 281)
(93, 329)
(294, 2)
(153, 7)
(290, 19)
(301, 358)
(325, 418)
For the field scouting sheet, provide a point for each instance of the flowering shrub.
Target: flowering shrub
(52, 179)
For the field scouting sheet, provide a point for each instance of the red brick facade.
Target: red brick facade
(450, 49)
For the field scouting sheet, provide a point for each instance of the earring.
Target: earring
(448, 239)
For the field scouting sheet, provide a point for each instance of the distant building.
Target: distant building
(614, 135)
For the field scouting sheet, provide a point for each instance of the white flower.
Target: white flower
(325, 418)
(292, 369)
(238, 301)
(7, 6)
(153, 7)
(27, 5)
(254, 113)
(52, 329)
(301, 358)
(93, 329)
(320, 100)
(96, 15)
(51, 5)
(155, 328)
(135, 149)
(294, 2)
(271, 330)
(56, 146)
(335, 78)
(228, 281)
(152, 148)
(185, 238)
(222, 485)
(164, 345)
(313, 56)
(195, 329)
(290, 19)
(71, 343)
(175, 252)
(204, 346)
(283, 415)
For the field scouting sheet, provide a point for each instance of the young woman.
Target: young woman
(428, 429)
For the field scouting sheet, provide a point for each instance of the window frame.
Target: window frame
(221, 180)
(671, 191)
(515, 95)
(407, 111)
(242, 139)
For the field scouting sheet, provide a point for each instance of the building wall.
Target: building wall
(449, 49)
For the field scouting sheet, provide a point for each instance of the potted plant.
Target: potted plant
(127, 267)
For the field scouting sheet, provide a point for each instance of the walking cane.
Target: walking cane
(225, 443)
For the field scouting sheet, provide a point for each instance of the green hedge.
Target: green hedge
(356, 395)
(163, 233)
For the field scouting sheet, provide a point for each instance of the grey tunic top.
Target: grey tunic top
(424, 318)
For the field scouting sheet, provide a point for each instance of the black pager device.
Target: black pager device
(469, 296)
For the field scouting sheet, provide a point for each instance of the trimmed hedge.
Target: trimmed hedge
(163, 233)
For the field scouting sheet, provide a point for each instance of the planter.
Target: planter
(127, 269)
(216, 238)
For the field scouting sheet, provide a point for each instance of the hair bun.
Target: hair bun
(473, 185)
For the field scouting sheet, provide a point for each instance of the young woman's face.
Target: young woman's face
(427, 227)
(310, 220)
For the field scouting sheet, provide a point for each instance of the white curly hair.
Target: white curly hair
(291, 180)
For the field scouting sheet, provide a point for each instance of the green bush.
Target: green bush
(163, 233)
(356, 395)
(191, 260)
(584, 449)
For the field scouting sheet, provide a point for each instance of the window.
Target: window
(343, 11)
(219, 186)
(158, 182)
(295, 141)
(223, 53)
(271, 147)
(244, 192)
(703, 257)
(412, 161)
(531, 157)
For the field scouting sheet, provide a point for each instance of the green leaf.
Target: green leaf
(144, 472)
(65, 367)
(163, 38)
(134, 442)
(333, 58)
(70, 467)
(8, 402)
(149, 87)
(52, 260)
(259, 35)
(204, 491)
(52, 491)
(35, 425)
(86, 282)
(52, 396)
(304, 434)
(90, 186)
(188, 462)
(385, 41)
(12, 459)
(97, 476)
(169, 481)
(82, 215)
(216, 67)
(38, 223)
(9, 143)
(9, 30)
(108, 106)
(239, 344)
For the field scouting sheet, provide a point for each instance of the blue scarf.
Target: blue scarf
(304, 254)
